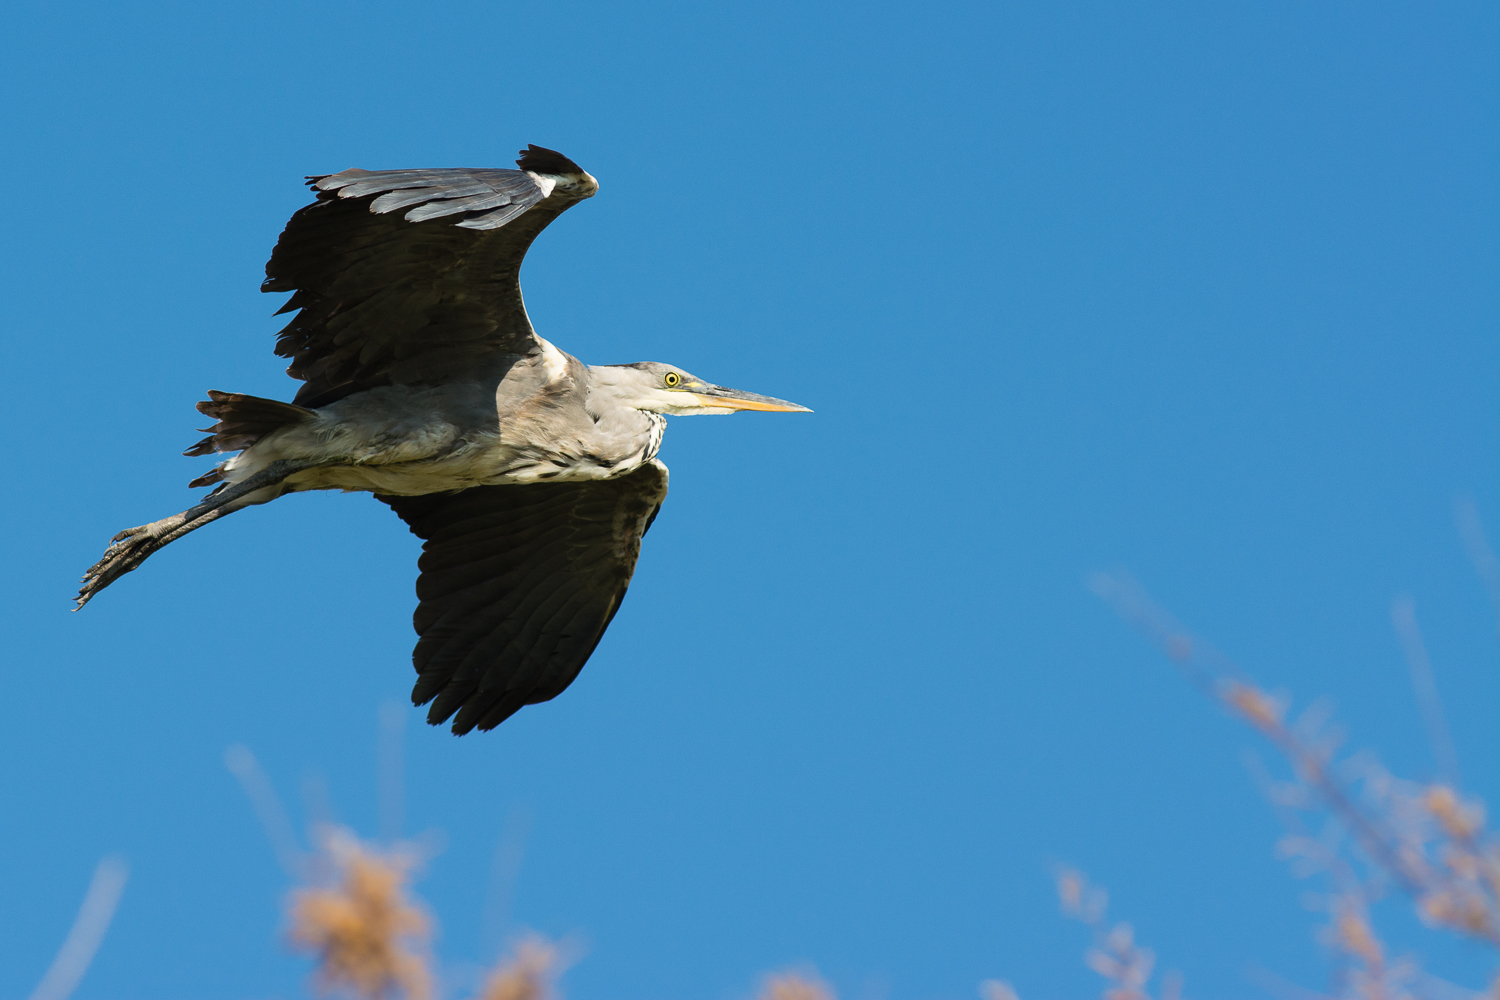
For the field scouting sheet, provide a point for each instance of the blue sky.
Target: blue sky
(1206, 291)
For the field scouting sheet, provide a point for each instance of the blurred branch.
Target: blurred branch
(1444, 757)
(87, 933)
(995, 989)
(505, 868)
(1471, 530)
(268, 809)
(391, 775)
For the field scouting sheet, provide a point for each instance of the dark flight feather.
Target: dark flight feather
(517, 585)
(411, 277)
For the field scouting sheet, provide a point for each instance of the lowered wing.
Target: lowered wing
(517, 585)
(411, 277)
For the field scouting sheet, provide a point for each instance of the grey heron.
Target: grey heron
(530, 476)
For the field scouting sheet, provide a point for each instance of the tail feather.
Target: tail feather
(243, 420)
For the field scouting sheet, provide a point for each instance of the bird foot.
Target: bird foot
(126, 551)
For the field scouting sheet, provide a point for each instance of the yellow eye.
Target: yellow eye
(672, 379)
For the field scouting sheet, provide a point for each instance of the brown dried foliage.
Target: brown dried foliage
(527, 974)
(368, 937)
(794, 986)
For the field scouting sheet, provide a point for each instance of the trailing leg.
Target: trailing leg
(132, 546)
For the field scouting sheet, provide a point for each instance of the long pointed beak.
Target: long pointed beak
(725, 398)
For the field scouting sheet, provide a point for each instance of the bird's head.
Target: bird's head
(667, 389)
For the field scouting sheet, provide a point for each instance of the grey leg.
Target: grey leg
(130, 547)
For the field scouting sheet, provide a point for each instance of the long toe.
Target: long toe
(129, 551)
(119, 544)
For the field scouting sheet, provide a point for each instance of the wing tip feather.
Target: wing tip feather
(542, 160)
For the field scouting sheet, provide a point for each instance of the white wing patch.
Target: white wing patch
(544, 181)
(554, 362)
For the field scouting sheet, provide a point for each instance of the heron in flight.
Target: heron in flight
(530, 476)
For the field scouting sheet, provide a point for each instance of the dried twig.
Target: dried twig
(1426, 838)
(1115, 954)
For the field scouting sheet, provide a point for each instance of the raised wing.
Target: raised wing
(409, 277)
(518, 585)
